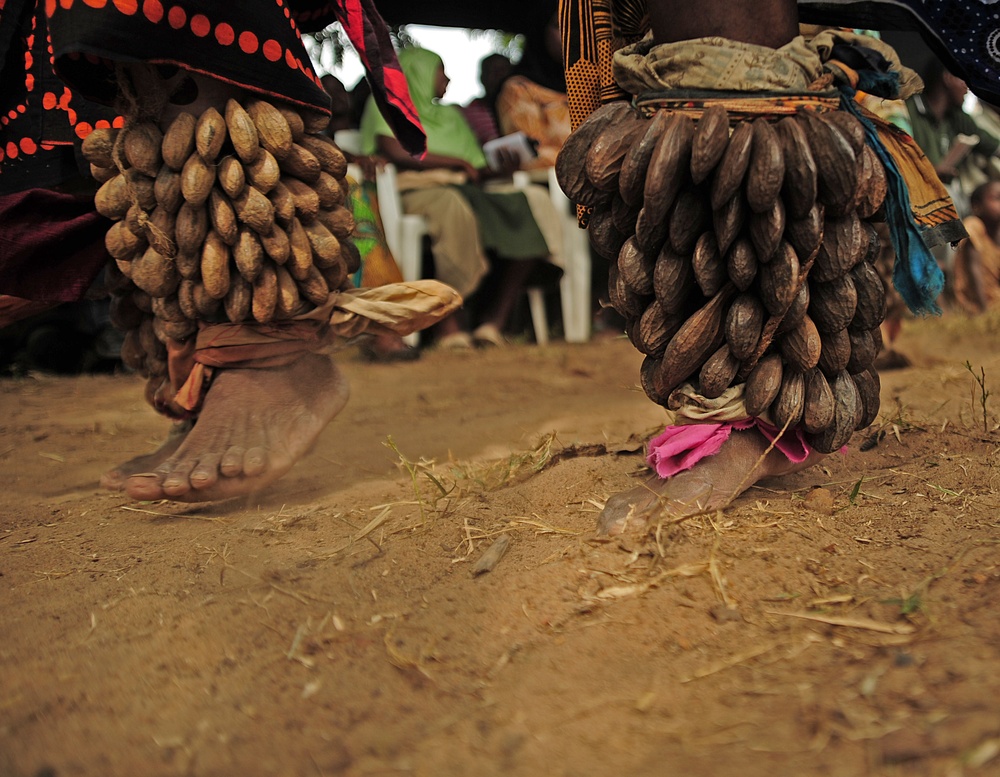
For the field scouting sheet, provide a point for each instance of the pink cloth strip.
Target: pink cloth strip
(679, 448)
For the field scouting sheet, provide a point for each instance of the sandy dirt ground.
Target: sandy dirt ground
(843, 621)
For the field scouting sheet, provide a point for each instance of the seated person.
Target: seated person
(466, 212)
(481, 113)
(977, 260)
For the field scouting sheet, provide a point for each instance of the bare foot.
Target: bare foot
(114, 479)
(255, 424)
(710, 485)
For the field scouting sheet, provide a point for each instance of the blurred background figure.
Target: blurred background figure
(977, 260)
(481, 113)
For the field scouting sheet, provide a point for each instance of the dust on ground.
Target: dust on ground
(840, 622)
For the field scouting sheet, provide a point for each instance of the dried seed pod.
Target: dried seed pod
(160, 230)
(190, 228)
(133, 355)
(710, 141)
(798, 190)
(305, 197)
(277, 245)
(636, 268)
(653, 330)
(123, 312)
(209, 134)
(802, 345)
(283, 203)
(869, 388)
(335, 276)
(331, 159)
(168, 309)
(846, 414)
(339, 220)
(849, 127)
(632, 178)
(864, 349)
(604, 159)
(835, 352)
(787, 409)
(820, 405)
(668, 168)
(763, 384)
(314, 288)
(98, 145)
(188, 264)
(570, 168)
(673, 281)
(732, 168)
(215, 266)
(728, 221)
(604, 236)
(185, 298)
(767, 167)
(148, 339)
(238, 299)
(242, 131)
(833, 304)
(301, 163)
(843, 245)
(121, 242)
(796, 311)
(167, 189)
(836, 164)
(142, 144)
(141, 188)
(623, 216)
(208, 306)
(623, 298)
(766, 230)
(351, 255)
(699, 337)
(255, 210)
(222, 216)
(197, 179)
(232, 177)
(288, 294)
(112, 200)
(689, 217)
(871, 302)
(102, 174)
(328, 190)
(325, 247)
(709, 269)
(248, 254)
(806, 234)
(872, 193)
(265, 295)
(744, 324)
(142, 300)
(155, 273)
(651, 235)
(647, 379)
(273, 132)
(300, 258)
(778, 280)
(178, 141)
(295, 121)
(263, 173)
(741, 263)
(717, 373)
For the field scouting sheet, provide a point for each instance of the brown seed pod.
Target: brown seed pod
(142, 146)
(339, 220)
(766, 230)
(796, 311)
(778, 280)
(283, 203)
(710, 141)
(148, 340)
(605, 237)
(623, 298)
(849, 127)
(133, 355)
(265, 295)
(728, 221)
(604, 159)
(668, 168)
(188, 264)
(864, 349)
(632, 178)
(102, 174)
(331, 159)
(820, 405)
(351, 255)
(273, 132)
(647, 379)
(846, 414)
(844, 243)
(167, 189)
(314, 288)
(689, 218)
(570, 168)
(869, 388)
(636, 268)
(871, 301)
(709, 269)
(208, 306)
(872, 194)
(178, 141)
(653, 330)
(185, 298)
(767, 167)
(325, 247)
(788, 407)
(806, 234)
(263, 173)
(699, 337)
(741, 263)
(210, 134)
(732, 168)
(763, 384)
(197, 179)
(835, 352)
(232, 177)
(248, 254)
(295, 121)
(222, 216)
(160, 231)
(238, 299)
(744, 323)
(190, 228)
(168, 309)
(801, 346)
(304, 196)
(255, 210)
(288, 294)
(123, 313)
(300, 258)
(112, 200)
(97, 147)
(833, 304)
(142, 300)
(717, 372)
(121, 243)
(328, 190)
(301, 163)
(651, 235)
(335, 276)
(141, 188)
(798, 190)
(155, 273)
(673, 281)
(276, 244)
(215, 266)
(836, 164)
(242, 131)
